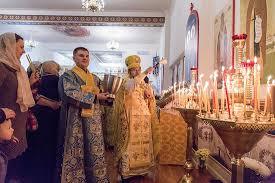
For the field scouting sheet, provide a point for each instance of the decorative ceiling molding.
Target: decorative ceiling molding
(82, 20)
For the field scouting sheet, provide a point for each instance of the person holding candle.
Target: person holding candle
(15, 93)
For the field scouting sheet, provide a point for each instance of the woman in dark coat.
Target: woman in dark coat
(42, 142)
(15, 93)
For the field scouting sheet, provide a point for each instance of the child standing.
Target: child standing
(6, 133)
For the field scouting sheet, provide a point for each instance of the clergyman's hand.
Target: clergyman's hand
(147, 94)
(102, 96)
(149, 70)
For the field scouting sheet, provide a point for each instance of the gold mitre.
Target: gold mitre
(132, 61)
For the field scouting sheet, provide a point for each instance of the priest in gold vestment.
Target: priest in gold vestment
(135, 122)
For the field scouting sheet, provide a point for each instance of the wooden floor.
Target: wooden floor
(160, 174)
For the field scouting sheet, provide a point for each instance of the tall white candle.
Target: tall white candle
(222, 97)
(259, 86)
(216, 91)
(205, 91)
(267, 98)
(179, 93)
(211, 77)
(199, 95)
(245, 88)
(174, 93)
(255, 87)
(233, 96)
(272, 93)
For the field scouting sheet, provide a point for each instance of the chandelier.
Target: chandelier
(112, 45)
(93, 5)
(31, 43)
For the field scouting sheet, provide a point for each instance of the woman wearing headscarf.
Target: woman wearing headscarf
(15, 93)
(42, 142)
(135, 126)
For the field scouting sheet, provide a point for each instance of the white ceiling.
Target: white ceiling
(110, 5)
(144, 39)
(98, 34)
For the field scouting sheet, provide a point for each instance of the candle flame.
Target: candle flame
(268, 79)
(223, 68)
(216, 73)
(255, 60)
(248, 61)
(201, 76)
(211, 76)
(206, 85)
(259, 68)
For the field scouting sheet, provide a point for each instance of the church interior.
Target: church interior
(211, 69)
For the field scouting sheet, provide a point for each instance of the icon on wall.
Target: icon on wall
(191, 43)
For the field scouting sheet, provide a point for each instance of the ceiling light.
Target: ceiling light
(31, 43)
(93, 5)
(113, 45)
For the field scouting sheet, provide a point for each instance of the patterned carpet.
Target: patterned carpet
(161, 174)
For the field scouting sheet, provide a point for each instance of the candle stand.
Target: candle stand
(189, 116)
(239, 137)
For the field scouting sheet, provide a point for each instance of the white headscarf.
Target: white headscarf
(50, 67)
(8, 57)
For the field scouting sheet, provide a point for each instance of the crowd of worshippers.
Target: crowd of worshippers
(57, 128)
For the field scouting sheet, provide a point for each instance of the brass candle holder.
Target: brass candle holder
(239, 137)
(189, 116)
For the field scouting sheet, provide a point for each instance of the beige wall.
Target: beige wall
(177, 19)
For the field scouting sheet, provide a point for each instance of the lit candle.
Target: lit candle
(245, 88)
(212, 97)
(205, 91)
(174, 87)
(259, 86)
(200, 78)
(185, 97)
(179, 93)
(227, 96)
(255, 60)
(211, 77)
(272, 91)
(201, 85)
(216, 92)
(255, 86)
(268, 97)
(208, 104)
(222, 97)
(200, 91)
(233, 96)
(182, 93)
